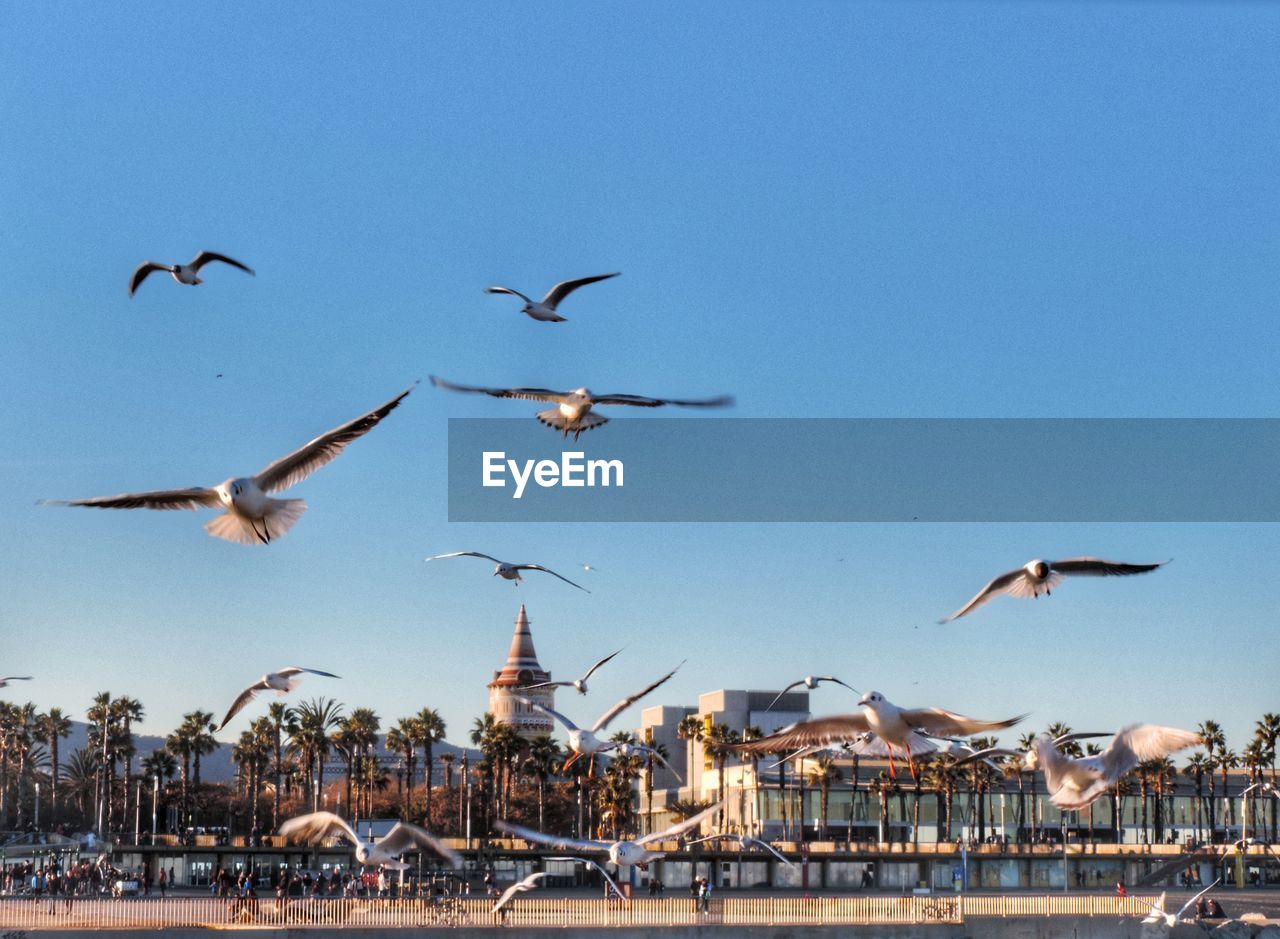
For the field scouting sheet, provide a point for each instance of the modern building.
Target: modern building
(512, 680)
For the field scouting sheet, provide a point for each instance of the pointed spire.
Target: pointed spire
(522, 666)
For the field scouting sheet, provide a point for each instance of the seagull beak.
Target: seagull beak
(864, 700)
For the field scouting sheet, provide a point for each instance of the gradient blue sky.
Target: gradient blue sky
(825, 209)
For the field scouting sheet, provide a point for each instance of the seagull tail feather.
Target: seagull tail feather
(282, 515)
(553, 418)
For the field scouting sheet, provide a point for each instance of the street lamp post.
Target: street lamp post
(37, 818)
(155, 798)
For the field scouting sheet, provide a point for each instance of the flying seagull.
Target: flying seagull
(1074, 784)
(632, 749)
(1158, 913)
(621, 853)
(1037, 577)
(4, 682)
(811, 682)
(183, 273)
(572, 413)
(585, 742)
(384, 852)
(281, 682)
(544, 310)
(251, 517)
(744, 844)
(966, 754)
(521, 886)
(506, 570)
(894, 728)
(578, 683)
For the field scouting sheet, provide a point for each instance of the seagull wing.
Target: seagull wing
(1096, 567)
(16, 678)
(782, 692)
(603, 873)
(566, 287)
(708, 838)
(405, 837)
(549, 684)
(315, 826)
(1192, 902)
(547, 570)
(998, 585)
(522, 886)
(160, 499)
(145, 268)
(508, 290)
(463, 554)
(592, 670)
(768, 847)
(626, 702)
(292, 670)
(301, 463)
(551, 841)
(1082, 735)
(819, 732)
(554, 715)
(678, 829)
(525, 394)
(1138, 743)
(832, 678)
(204, 257)
(658, 756)
(640, 401)
(948, 724)
(238, 705)
(985, 755)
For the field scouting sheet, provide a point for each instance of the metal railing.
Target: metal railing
(535, 910)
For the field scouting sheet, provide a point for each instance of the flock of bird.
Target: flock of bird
(250, 515)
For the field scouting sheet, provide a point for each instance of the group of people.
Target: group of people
(700, 892)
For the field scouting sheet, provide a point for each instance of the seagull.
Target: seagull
(522, 886)
(744, 844)
(4, 682)
(632, 749)
(572, 413)
(810, 682)
(1158, 914)
(251, 517)
(603, 873)
(589, 567)
(506, 570)
(383, 853)
(281, 682)
(1037, 577)
(1074, 784)
(966, 754)
(544, 310)
(621, 853)
(892, 728)
(585, 742)
(579, 683)
(183, 273)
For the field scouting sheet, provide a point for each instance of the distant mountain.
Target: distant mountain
(217, 766)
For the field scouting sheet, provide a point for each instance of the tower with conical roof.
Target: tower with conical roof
(522, 669)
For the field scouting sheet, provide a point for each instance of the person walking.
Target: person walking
(162, 883)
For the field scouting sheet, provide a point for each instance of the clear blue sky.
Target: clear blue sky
(824, 209)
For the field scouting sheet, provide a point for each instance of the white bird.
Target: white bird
(251, 517)
(573, 411)
(544, 310)
(1037, 577)
(1075, 783)
(589, 567)
(521, 886)
(585, 742)
(811, 682)
(744, 844)
(183, 273)
(384, 852)
(505, 569)
(579, 683)
(281, 682)
(632, 749)
(4, 682)
(893, 728)
(967, 754)
(1158, 913)
(621, 853)
(603, 873)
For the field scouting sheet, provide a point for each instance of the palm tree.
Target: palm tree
(657, 751)
(52, 727)
(822, 775)
(430, 730)
(689, 730)
(716, 743)
(1254, 759)
(942, 777)
(99, 716)
(124, 712)
(81, 774)
(1227, 760)
(1015, 768)
(159, 764)
(278, 715)
(1197, 767)
(1269, 731)
(400, 740)
(1025, 743)
(309, 727)
(544, 754)
(446, 761)
(1214, 740)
